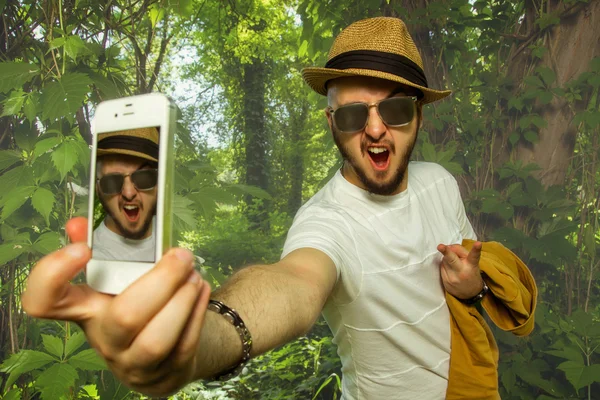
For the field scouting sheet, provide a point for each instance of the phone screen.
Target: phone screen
(126, 181)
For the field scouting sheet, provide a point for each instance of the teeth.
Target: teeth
(377, 150)
(130, 207)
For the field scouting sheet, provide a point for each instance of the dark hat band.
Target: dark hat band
(380, 61)
(132, 143)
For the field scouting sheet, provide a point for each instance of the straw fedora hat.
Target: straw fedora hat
(376, 47)
(139, 142)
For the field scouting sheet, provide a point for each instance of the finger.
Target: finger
(475, 254)
(160, 336)
(143, 299)
(77, 229)
(188, 342)
(459, 250)
(450, 258)
(49, 294)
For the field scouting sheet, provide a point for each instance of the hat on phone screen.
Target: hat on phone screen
(138, 142)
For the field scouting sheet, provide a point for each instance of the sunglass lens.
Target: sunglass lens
(397, 110)
(351, 118)
(111, 184)
(145, 179)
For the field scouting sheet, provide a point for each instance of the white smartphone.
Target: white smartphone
(131, 189)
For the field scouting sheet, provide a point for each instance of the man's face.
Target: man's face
(130, 211)
(376, 158)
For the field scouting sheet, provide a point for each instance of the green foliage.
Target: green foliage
(506, 90)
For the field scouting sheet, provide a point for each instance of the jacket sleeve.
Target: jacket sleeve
(514, 299)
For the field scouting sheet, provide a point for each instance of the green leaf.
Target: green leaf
(8, 158)
(87, 360)
(43, 201)
(53, 345)
(74, 46)
(15, 199)
(10, 251)
(155, 13)
(14, 394)
(107, 88)
(545, 97)
(57, 381)
(254, 191)
(64, 157)
(47, 243)
(547, 75)
(580, 375)
(569, 353)
(531, 136)
(534, 81)
(61, 99)
(31, 106)
(22, 362)
(514, 138)
(13, 104)
(74, 342)
(46, 144)
(182, 209)
(428, 152)
(14, 74)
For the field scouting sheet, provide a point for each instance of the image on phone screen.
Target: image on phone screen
(127, 171)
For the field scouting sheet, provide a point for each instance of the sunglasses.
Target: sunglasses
(394, 112)
(142, 179)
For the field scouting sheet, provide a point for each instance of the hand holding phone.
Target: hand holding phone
(131, 185)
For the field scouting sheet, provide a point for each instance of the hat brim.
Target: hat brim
(104, 152)
(317, 79)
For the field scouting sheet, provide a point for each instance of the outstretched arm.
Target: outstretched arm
(156, 336)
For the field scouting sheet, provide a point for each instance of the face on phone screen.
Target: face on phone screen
(126, 195)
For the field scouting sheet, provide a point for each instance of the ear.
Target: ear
(420, 115)
(329, 120)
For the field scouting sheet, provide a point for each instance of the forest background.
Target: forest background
(521, 133)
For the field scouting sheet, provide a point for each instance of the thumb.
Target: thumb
(475, 254)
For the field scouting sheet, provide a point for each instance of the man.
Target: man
(376, 250)
(127, 173)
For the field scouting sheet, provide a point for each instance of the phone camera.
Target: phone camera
(116, 115)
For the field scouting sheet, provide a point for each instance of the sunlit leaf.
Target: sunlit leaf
(183, 210)
(53, 345)
(47, 242)
(62, 98)
(87, 360)
(45, 144)
(14, 74)
(8, 158)
(56, 381)
(13, 104)
(74, 342)
(22, 362)
(43, 202)
(15, 199)
(64, 157)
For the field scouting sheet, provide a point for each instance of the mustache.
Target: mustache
(367, 141)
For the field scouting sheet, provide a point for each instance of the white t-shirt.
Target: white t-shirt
(387, 312)
(108, 245)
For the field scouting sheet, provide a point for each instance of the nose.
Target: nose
(129, 191)
(375, 127)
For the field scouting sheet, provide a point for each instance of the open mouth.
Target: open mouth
(380, 157)
(132, 212)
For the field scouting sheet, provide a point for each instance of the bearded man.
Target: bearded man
(127, 175)
(378, 251)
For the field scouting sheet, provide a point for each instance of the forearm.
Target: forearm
(276, 304)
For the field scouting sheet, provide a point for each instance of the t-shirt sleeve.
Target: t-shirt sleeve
(323, 232)
(466, 230)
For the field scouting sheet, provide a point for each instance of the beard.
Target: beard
(372, 186)
(128, 233)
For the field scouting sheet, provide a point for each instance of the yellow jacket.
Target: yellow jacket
(510, 305)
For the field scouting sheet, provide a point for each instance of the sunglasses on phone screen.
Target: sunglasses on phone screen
(394, 112)
(142, 179)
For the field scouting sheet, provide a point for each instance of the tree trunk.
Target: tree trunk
(571, 45)
(256, 142)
